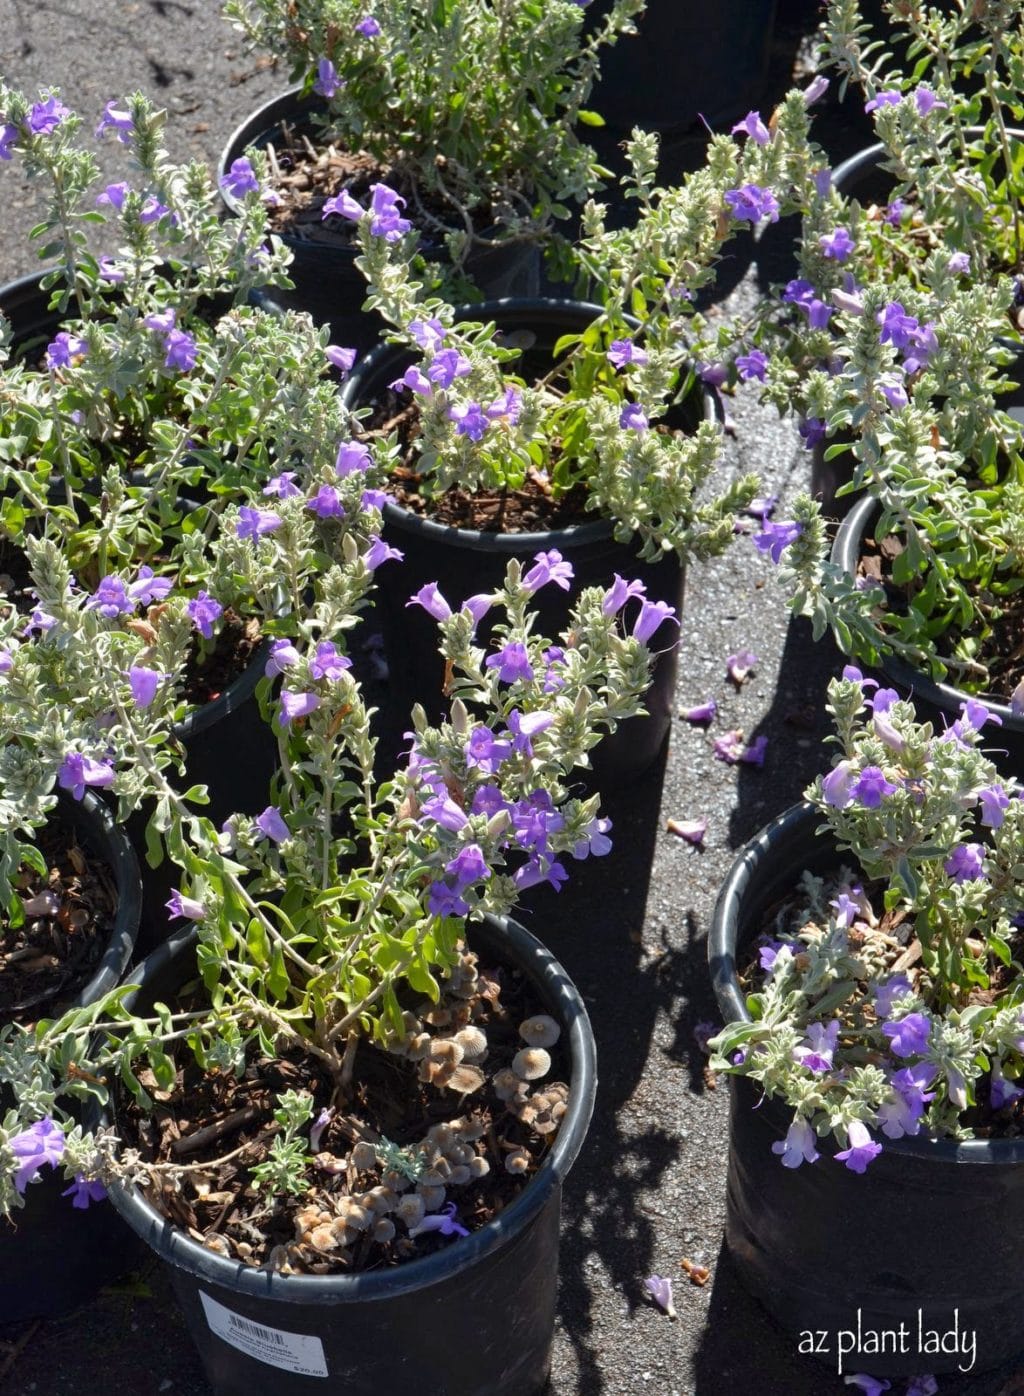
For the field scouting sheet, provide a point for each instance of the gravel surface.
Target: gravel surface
(648, 1190)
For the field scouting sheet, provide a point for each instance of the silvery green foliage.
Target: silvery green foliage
(932, 834)
(570, 428)
(469, 105)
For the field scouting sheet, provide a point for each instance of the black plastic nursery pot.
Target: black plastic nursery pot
(465, 562)
(936, 702)
(475, 1319)
(328, 284)
(26, 305)
(924, 1243)
(54, 1257)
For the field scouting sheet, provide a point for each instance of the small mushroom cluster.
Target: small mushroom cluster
(541, 1110)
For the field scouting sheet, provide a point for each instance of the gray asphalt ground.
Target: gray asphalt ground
(649, 1189)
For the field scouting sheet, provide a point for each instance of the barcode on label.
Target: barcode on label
(267, 1335)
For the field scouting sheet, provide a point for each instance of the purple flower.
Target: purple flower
(797, 291)
(633, 417)
(815, 90)
(994, 802)
(370, 28)
(45, 117)
(386, 221)
(692, 830)
(823, 182)
(469, 418)
(750, 203)
(798, 1145)
(113, 119)
(846, 909)
(774, 538)
(623, 351)
(240, 179)
(966, 863)
(283, 655)
(327, 80)
(763, 507)
(837, 245)
(294, 705)
(415, 380)
(41, 1143)
(111, 598)
(256, 523)
(524, 727)
(203, 610)
(147, 589)
(85, 1190)
(342, 359)
(428, 334)
(651, 617)
(619, 593)
(485, 752)
(327, 663)
(272, 826)
(895, 987)
(902, 1114)
(812, 430)
(908, 1037)
(63, 349)
(8, 139)
(975, 714)
(38, 620)
(153, 210)
(894, 393)
(144, 684)
(739, 665)
(180, 351)
(1002, 1092)
(344, 206)
(446, 366)
(871, 787)
(818, 1047)
(380, 552)
(161, 321)
(729, 746)
(862, 1148)
(894, 213)
(114, 196)
(443, 810)
(548, 567)
(443, 900)
(703, 712)
(897, 327)
(754, 127)
(326, 503)
(282, 486)
(78, 771)
(714, 374)
(187, 908)
(959, 264)
(871, 1386)
(837, 786)
(658, 1288)
(751, 365)
(110, 271)
(469, 865)
(536, 870)
(430, 598)
(596, 842)
(512, 663)
(888, 98)
(443, 1221)
(508, 407)
(925, 100)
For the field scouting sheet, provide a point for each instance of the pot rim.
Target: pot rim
(845, 554)
(563, 999)
(472, 539)
(870, 155)
(722, 939)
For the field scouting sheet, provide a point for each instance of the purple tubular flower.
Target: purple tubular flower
(64, 349)
(45, 117)
(994, 803)
(548, 567)
(443, 810)
(430, 598)
(415, 380)
(240, 179)
(888, 98)
(203, 610)
(380, 552)
(837, 245)
(512, 663)
(147, 588)
(282, 486)
(428, 334)
(623, 351)
(8, 139)
(370, 28)
(78, 771)
(485, 752)
(113, 119)
(894, 213)
(817, 1050)
(327, 664)
(256, 523)
(386, 222)
(180, 351)
(326, 503)
(729, 746)
(110, 271)
(895, 394)
(752, 365)
(327, 80)
(862, 1149)
(633, 418)
(908, 1037)
(754, 127)
(652, 615)
(468, 866)
(1002, 1092)
(144, 684)
(508, 407)
(660, 1289)
(525, 726)
(538, 869)
(966, 863)
(815, 90)
(837, 786)
(897, 326)
(750, 204)
(318, 1126)
(619, 593)
(895, 987)
(798, 1145)
(42, 1142)
(959, 264)
(753, 753)
(713, 374)
(295, 705)
(470, 419)
(975, 714)
(111, 598)
(153, 210)
(925, 100)
(114, 196)
(283, 655)
(739, 665)
(85, 1190)
(443, 1221)
(446, 366)
(702, 712)
(774, 538)
(596, 842)
(344, 206)
(692, 830)
(272, 826)
(187, 908)
(443, 900)
(871, 787)
(812, 430)
(341, 359)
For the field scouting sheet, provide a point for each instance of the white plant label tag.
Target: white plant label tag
(293, 1352)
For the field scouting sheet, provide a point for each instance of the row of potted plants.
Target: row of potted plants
(174, 464)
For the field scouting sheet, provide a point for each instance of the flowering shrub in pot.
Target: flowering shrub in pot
(330, 945)
(468, 111)
(867, 971)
